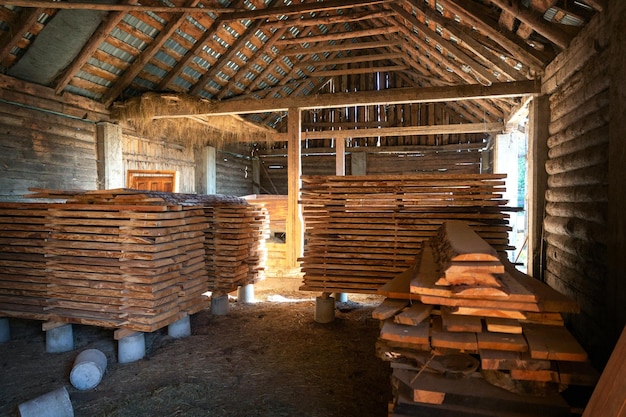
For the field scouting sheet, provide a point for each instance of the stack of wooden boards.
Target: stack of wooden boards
(361, 231)
(464, 323)
(236, 251)
(121, 258)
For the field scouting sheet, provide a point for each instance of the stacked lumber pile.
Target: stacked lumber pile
(23, 277)
(469, 335)
(236, 252)
(123, 258)
(362, 231)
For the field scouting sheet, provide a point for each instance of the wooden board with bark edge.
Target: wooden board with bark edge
(552, 342)
(463, 244)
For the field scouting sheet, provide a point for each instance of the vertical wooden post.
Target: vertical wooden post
(110, 157)
(616, 284)
(294, 226)
(256, 175)
(210, 166)
(539, 117)
(340, 157)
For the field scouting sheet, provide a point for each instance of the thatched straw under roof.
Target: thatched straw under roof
(184, 118)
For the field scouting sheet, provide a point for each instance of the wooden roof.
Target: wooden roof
(258, 57)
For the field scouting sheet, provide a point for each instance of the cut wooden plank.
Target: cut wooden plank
(388, 308)
(507, 360)
(489, 312)
(414, 314)
(501, 325)
(421, 389)
(417, 335)
(399, 286)
(457, 323)
(464, 244)
(552, 342)
(577, 373)
(501, 341)
(462, 341)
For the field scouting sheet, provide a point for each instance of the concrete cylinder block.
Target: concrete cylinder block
(324, 309)
(131, 348)
(245, 294)
(180, 328)
(89, 366)
(5, 330)
(53, 404)
(60, 339)
(341, 297)
(219, 305)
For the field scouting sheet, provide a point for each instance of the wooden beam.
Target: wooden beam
(361, 70)
(362, 98)
(114, 7)
(339, 36)
(536, 21)
(90, 47)
(139, 64)
(355, 59)
(298, 8)
(345, 46)
(16, 31)
(294, 226)
(470, 11)
(405, 131)
(307, 21)
(224, 58)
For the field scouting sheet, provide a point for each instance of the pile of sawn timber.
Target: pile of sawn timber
(468, 335)
(361, 231)
(123, 258)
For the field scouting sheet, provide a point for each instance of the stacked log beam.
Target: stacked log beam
(455, 337)
(362, 231)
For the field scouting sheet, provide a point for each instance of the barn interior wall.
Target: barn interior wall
(576, 212)
(44, 149)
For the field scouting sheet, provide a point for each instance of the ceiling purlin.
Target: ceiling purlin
(475, 16)
(351, 16)
(106, 27)
(153, 47)
(224, 58)
(17, 29)
(450, 29)
(536, 21)
(448, 46)
(248, 67)
(441, 63)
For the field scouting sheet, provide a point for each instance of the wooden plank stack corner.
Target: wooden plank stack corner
(124, 259)
(469, 335)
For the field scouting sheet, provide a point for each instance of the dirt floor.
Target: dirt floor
(269, 358)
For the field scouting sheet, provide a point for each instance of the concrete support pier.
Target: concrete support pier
(55, 403)
(131, 348)
(245, 294)
(324, 309)
(341, 297)
(180, 328)
(5, 330)
(219, 305)
(59, 337)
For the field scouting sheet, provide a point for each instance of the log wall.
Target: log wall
(42, 149)
(234, 174)
(575, 220)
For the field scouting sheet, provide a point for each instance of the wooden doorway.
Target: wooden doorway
(151, 180)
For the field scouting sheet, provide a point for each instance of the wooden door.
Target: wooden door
(152, 180)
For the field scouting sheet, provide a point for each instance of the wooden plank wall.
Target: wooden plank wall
(234, 174)
(44, 150)
(575, 223)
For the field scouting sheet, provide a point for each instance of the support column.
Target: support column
(324, 308)
(110, 157)
(539, 118)
(131, 348)
(615, 286)
(210, 169)
(245, 294)
(294, 226)
(256, 175)
(219, 304)
(180, 328)
(59, 337)
(340, 170)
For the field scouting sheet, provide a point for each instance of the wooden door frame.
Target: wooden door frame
(132, 173)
